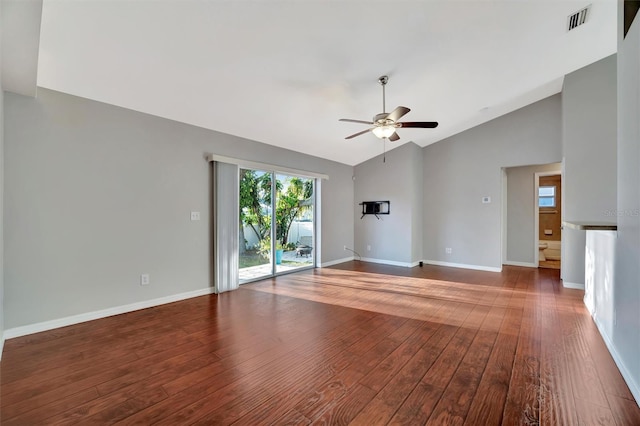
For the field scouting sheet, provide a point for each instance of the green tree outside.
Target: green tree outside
(293, 199)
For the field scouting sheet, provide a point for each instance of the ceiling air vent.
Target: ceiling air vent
(576, 19)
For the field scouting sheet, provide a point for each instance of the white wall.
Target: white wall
(600, 276)
(462, 169)
(97, 195)
(589, 148)
(521, 198)
(391, 237)
(624, 337)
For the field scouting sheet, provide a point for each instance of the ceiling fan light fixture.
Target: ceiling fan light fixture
(383, 132)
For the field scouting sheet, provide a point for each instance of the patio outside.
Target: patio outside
(289, 261)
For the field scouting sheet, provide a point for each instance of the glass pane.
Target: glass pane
(547, 202)
(294, 222)
(255, 225)
(547, 191)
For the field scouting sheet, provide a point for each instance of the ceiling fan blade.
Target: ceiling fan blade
(398, 113)
(359, 133)
(420, 124)
(394, 137)
(348, 120)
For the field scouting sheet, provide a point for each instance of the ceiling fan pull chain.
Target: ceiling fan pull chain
(384, 148)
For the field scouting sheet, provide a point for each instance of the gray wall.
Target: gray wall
(589, 121)
(625, 335)
(589, 148)
(392, 238)
(521, 197)
(417, 171)
(97, 195)
(462, 169)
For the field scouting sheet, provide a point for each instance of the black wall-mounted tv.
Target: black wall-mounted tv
(375, 208)
(371, 208)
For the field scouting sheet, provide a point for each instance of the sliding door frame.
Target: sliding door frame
(273, 231)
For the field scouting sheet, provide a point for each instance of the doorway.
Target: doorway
(548, 213)
(520, 212)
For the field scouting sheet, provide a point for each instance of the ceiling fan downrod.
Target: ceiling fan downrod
(383, 81)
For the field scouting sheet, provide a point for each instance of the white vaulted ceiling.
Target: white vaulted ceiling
(284, 72)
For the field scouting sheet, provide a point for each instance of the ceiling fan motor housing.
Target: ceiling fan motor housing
(382, 119)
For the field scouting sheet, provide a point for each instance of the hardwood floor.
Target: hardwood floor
(358, 343)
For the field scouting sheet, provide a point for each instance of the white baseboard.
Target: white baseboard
(90, 316)
(634, 387)
(335, 262)
(368, 259)
(388, 262)
(525, 264)
(575, 286)
(1, 344)
(463, 266)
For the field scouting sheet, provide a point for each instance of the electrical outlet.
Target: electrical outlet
(195, 215)
(144, 279)
(368, 247)
(448, 250)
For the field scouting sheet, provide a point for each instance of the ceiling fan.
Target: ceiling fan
(385, 124)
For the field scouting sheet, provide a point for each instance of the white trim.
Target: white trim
(337, 261)
(387, 262)
(626, 375)
(575, 286)
(371, 260)
(563, 249)
(247, 164)
(90, 316)
(1, 344)
(463, 266)
(317, 222)
(504, 214)
(525, 264)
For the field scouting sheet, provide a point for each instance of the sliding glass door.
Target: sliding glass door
(255, 224)
(294, 222)
(276, 223)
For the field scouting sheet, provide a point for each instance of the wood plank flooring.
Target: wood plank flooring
(357, 343)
